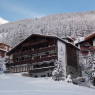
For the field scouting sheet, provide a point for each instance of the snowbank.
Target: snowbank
(15, 84)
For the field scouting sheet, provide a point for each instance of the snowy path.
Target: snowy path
(15, 84)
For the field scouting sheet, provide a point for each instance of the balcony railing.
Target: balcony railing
(39, 42)
(26, 44)
(42, 69)
(84, 50)
(21, 53)
(19, 63)
(33, 61)
(44, 59)
(44, 49)
(37, 51)
(33, 43)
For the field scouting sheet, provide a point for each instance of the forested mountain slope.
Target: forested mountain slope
(71, 24)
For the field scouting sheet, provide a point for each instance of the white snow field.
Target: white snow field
(15, 84)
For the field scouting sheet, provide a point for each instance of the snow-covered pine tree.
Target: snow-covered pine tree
(2, 64)
(87, 62)
(58, 72)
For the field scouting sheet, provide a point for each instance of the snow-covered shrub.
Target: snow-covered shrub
(87, 62)
(2, 65)
(58, 72)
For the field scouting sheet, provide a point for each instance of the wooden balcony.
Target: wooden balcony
(44, 59)
(43, 69)
(33, 61)
(39, 42)
(87, 45)
(33, 43)
(37, 51)
(22, 53)
(44, 49)
(84, 50)
(26, 44)
(19, 63)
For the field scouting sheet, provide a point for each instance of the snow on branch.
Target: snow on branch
(58, 73)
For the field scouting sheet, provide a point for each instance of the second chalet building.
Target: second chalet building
(37, 54)
(3, 50)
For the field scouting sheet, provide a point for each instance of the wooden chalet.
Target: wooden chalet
(86, 46)
(4, 49)
(37, 53)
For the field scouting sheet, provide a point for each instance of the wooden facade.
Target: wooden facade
(29, 54)
(88, 44)
(85, 48)
(2, 53)
(71, 56)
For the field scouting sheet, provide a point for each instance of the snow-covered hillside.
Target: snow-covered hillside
(2, 21)
(15, 84)
(71, 24)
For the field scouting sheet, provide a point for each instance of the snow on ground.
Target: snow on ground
(15, 84)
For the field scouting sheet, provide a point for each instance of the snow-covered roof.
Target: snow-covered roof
(68, 38)
(5, 44)
(85, 39)
(3, 50)
(68, 43)
(79, 40)
(90, 36)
